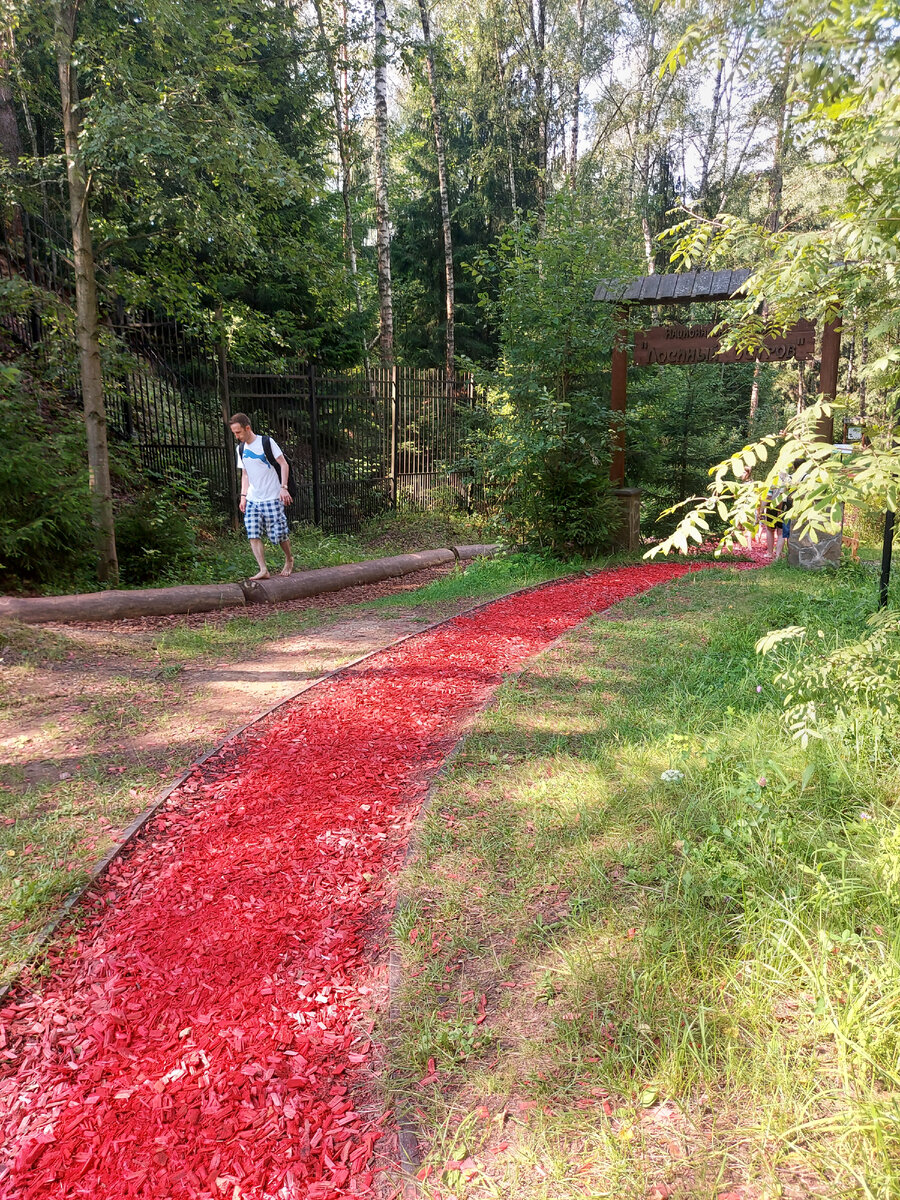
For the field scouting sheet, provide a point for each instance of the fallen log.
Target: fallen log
(207, 597)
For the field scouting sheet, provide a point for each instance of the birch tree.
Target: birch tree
(438, 124)
(382, 211)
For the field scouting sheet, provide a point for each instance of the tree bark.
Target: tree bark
(703, 191)
(510, 157)
(86, 303)
(754, 397)
(576, 93)
(438, 122)
(776, 177)
(648, 246)
(382, 212)
(343, 152)
(10, 145)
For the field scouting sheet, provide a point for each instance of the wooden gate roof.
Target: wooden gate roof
(685, 287)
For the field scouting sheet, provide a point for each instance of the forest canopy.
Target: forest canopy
(342, 183)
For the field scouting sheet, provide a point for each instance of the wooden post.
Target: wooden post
(828, 376)
(618, 397)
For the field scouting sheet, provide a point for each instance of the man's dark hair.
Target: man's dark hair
(239, 419)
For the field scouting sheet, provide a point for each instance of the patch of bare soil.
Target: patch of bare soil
(255, 612)
(110, 702)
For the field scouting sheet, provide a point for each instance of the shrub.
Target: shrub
(45, 513)
(156, 531)
(542, 440)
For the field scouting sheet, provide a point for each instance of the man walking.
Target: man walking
(264, 493)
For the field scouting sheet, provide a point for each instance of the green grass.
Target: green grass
(487, 577)
(228, 556)
(50, 834)
(715, 959)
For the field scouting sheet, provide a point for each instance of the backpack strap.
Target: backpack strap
(267, 451)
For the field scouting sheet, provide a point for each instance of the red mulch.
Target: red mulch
(207, 1034)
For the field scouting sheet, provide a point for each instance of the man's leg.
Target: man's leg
(288, 567)
(257, 547)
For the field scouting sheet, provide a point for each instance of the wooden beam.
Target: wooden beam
(828, 376)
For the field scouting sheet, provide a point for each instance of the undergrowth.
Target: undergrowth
(680, 928)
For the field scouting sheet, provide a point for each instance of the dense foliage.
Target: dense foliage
(229, 152)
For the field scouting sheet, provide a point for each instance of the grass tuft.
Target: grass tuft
(691, 982)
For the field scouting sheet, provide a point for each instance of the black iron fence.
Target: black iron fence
(360, 441)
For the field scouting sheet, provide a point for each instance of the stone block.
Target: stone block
(826, 552)
(628, 536)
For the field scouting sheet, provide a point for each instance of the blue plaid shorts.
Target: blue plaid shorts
(267, 515)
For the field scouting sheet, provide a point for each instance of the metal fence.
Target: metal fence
(360, 441)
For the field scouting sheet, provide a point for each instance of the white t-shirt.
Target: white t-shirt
(264, 480)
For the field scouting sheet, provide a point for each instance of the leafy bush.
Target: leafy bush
(45, 514)
(156, 532)
(855, 682)
(542, 438)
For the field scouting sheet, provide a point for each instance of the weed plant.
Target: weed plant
(684, 925)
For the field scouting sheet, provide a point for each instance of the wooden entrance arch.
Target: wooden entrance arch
(689, 344)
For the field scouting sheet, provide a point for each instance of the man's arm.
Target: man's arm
(285, 473)
(245, 483)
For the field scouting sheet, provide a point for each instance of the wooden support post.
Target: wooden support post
(618, 397)
(828, 376)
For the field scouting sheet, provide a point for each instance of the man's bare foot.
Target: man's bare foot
(287, 569)
(259, 575)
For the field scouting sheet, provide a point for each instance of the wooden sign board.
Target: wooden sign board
(686, 344)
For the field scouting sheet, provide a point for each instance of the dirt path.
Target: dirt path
(209, 1030)
(111, 696)
(96, 720)
(45, 733)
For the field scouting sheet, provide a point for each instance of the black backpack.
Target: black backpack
(273, 461)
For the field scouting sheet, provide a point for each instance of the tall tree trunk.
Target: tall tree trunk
(863, 363)
(754, 398)
(773, 220)
(510, 157)
(437, 119)
(10, 145)
(576, 93)
(343, 152)
(706, 163)
(537, 19)
(782, 120)
(382, 213)
(87, 309)
(648, 246)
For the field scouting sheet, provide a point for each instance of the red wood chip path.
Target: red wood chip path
(202, 1034)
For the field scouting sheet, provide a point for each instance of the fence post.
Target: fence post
(121, 329)
(314, 446)
(34, 317)
(395, 421)
(228, 441)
